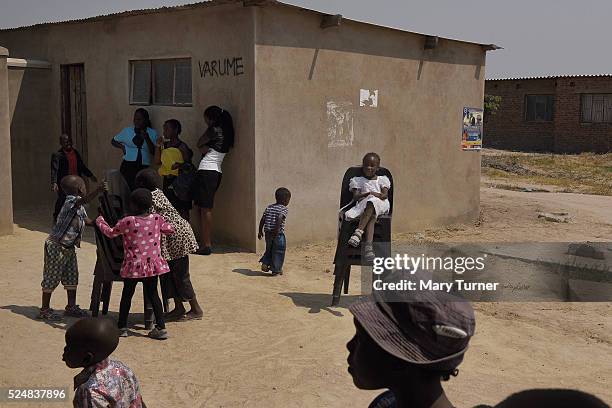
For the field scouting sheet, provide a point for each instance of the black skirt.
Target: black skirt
(128, 170)
(205, 186)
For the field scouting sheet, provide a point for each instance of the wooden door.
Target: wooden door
(74, 106)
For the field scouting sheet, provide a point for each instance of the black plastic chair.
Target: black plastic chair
(346, 256)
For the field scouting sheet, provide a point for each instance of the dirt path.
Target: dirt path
(275, 342)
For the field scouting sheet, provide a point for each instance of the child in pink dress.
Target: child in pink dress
(142, 257)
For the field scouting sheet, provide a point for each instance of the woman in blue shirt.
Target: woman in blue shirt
(138, 144)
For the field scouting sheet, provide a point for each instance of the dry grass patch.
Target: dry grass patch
(582, 173)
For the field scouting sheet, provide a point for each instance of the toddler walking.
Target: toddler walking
(142, 257)
(272, 226)
(370, 193)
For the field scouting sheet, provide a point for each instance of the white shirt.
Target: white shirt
(212, 161)
(365, 185)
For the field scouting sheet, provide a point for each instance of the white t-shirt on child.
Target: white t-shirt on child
(365, 185)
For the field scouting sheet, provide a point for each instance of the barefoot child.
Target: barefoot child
(272, 225)
(104, 382)
(60, 254)
(175, 249)
(370, 193)
(142, 257)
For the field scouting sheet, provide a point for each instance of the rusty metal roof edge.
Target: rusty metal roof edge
(211, 3)
(551, 77)
(487, 46)
(129, 13)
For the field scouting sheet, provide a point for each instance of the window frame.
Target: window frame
(605, 95)
(536, 120)
(151, 62)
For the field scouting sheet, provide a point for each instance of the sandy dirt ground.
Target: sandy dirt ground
(275, 342)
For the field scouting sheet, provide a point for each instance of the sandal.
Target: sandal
(75, 311)
(49, 314)
(355, 239)
(368, 252)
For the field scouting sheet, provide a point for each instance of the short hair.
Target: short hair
(282, 194)
(70, 184)
(98, 336)
(371, 154)
(176, 125)
(147, 178)
(141, 200)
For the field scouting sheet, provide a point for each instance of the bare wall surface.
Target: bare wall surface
(6, 201)
(310, 126)
(32, 138)
(204, 34)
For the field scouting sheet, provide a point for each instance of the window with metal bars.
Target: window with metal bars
(596, 108)
(539, 108)
(161, 82)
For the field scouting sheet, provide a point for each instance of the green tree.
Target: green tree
(491, 104)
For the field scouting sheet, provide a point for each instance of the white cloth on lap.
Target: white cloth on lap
(364, 185)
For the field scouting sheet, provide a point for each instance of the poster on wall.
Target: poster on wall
(368, 97)
(471, 137)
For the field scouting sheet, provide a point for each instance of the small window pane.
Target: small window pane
(182, 92)
(596, 108)
(608, 108)
(163, 85)
(539, 107)
(587, 104)
(141, 82)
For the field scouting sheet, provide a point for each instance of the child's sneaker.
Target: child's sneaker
(158, 334)
(123, 332)
(75, 311)
(49, 314)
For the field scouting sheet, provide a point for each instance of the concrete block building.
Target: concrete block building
(310, 95)
(562, 114)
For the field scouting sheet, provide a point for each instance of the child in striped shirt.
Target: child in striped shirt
(272, 226)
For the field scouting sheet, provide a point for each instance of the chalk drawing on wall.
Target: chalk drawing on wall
(368, 97)
(339, 124)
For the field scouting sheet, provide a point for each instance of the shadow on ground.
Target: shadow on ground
(250, 272)
(31, 312)
(316, 302)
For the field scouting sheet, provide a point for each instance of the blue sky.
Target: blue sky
(540, 37)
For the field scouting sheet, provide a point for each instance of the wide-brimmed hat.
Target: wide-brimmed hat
(430, 330)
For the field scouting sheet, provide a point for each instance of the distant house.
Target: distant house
(563, 114)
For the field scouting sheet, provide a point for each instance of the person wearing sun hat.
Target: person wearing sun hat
(408, 343)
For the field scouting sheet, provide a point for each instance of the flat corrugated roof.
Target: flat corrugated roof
(552, 77)
(210, 3)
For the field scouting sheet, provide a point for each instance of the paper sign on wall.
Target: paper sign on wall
(368, 98)
(471, 137)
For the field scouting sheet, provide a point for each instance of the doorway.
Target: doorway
(74, 106)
